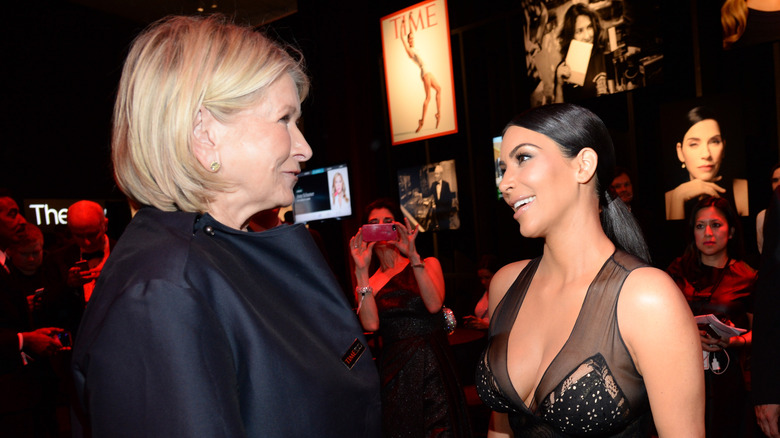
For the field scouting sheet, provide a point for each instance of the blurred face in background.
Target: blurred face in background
(622, 187)
(27, 258)
(484, 277)
(11, 222)
(88, 229)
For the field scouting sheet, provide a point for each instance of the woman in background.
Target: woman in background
(749, 22)
(402, 300)
(197, 327)
(715, 280)
(701, 153)
(580, 23)
(577, 343)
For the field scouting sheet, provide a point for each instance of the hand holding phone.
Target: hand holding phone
(707, 328)
(80, 274)
(65, 339)
(379, 232)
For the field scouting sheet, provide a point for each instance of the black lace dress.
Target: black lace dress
(591, 388)
(421, 395)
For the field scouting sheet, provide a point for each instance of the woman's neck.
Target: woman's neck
(718, 260)
(577, 246)
(389, 257)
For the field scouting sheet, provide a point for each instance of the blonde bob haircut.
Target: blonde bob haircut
(176, 66)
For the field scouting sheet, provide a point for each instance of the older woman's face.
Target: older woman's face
(262, 150)
(702, 150)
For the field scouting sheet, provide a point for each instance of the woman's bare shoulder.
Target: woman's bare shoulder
(650, 298)
(647, 285)
(502, 280)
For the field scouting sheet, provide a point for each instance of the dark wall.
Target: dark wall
(62, 63)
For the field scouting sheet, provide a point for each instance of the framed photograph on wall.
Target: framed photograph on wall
(418, 72)
(577, 50)
(703, 152)
(429, 196)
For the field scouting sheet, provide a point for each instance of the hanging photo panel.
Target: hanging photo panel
(418, 72)
(429, 196)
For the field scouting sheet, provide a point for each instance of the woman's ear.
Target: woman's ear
(680, 155)
(587, 162)
(203, 143)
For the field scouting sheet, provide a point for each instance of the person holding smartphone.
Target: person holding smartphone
(402, 301)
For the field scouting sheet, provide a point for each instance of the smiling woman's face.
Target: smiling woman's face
(702, 150)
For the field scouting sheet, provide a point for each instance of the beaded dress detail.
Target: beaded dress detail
(591, 388)
(421, 394)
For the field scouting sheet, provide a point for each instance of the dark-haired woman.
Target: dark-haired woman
(701, 152)
(580, 23)
(716, 281)
(579, 339)
(402, 300)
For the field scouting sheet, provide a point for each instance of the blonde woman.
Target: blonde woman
(197, 327)
(748, 22)
(339, 199)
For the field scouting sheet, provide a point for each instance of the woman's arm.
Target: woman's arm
(361, 256)
(744, 339)
(676, 198)
(428, 274)
(661, 335)
(562, 72)
(499, 426)
(740, 187)
(403, 37)
(430, 280)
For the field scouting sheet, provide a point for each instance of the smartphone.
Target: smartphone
(379, 232)
(709, 330)
(83, 265)
(64, 338)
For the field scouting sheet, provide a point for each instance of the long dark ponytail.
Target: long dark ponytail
(575, 128)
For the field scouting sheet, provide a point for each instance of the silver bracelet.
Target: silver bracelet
(364, 290)
(419, 265)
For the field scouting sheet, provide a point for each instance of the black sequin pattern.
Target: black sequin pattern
(587, 401)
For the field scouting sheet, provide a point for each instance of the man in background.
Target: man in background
(80, 263)
(25, 374)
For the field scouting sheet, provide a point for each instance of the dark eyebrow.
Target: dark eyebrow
(514, 150)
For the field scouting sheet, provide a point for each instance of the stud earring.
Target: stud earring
(215, 165)
(683, 165)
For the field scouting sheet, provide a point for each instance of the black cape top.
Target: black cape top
(196, 329)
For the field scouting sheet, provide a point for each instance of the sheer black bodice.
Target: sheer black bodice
(591, 388)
